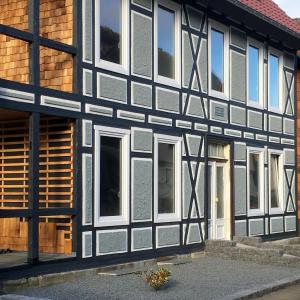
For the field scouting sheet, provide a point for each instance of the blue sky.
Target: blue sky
(291, 7)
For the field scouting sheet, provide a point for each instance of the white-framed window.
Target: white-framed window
(112, 35)
(275, 74)
(275, 181)
(167, 43)
(255, 181)
(167, 176)
(112, 164)
(255, 75)
(218, 60)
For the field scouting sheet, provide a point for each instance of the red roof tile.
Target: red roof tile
(271, 10)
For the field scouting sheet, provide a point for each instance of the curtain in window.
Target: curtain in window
(216, 150)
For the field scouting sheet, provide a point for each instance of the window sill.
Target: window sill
(255, 213)
(109, 66)
(276, 211)
(111, 221)
(167, 81)
(165, 218)
(254, 104)
(275, 110)
(219, 95)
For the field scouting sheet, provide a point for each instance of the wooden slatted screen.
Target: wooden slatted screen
(56, 182)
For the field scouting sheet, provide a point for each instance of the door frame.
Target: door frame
(212, 138)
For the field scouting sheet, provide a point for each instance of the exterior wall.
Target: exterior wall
(298, 135)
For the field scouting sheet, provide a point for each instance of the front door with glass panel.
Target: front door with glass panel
(216, 199)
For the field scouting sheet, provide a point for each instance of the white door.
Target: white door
(216, 195)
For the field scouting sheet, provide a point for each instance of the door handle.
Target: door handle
(217, 200)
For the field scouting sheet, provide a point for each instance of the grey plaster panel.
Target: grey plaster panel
(195, 107)
(194, 234)
(111, 242)
(290, 81)
(218, 111)
(167, 100)
(237, 115)
(195, 18)
(290, 223)
(240, 152)
(142, 190)
(200, 187)
(88, 83)
(88, 188)
(16, 95)
(88, 133)
(144, 3)
(289, 126)
(142, 140)
(187, 189)
(167, 236)
(289, 60)
(112, 88)
(123, 114)
(142, 45)
(289, 157)
(142, 95)
(238, 38)
(142, 239)
(276, 225)
(275, 124)
(241, 228)
(255, 119)
(202, 65)
(256, 226)
(87, 251)
(240, 190)
(193, 144)
(238, 76)
(87, 30)
(187, 59)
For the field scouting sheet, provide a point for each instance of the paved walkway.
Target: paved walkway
(290, 293)
(204, 278)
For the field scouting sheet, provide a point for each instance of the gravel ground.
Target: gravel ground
(204, 278)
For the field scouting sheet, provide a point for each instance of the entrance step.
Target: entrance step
(248, 240)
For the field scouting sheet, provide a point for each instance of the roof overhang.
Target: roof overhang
(247, 16)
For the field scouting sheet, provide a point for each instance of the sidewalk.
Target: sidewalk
(202, 278)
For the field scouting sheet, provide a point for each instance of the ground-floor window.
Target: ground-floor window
(111, 176)
(167, 176)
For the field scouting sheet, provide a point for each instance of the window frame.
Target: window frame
(278, 54)
(176, 8)
(122, 68)
(214, 25)
(176, 141)
(124, 134)
(280, 208)
(261, 152)
(255, 44)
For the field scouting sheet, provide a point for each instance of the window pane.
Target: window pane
(166, 178)
(254, 181)
(110, 176)
(220, 193)
(217, 61)
(110, 30)
(209, 192)
(274, 81)
(253, 75)
(274, 181)
(166, 43)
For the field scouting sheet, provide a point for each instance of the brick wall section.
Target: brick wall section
(298, 137)
(56, 69)
(56, 20)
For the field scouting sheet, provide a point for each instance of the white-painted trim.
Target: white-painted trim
(60, 103)
(83, 244)
(216, 129)
(276, 218)
(107, 111)
(133, 129)
(132, 43)
(249, 135)
(8, 94)
(84, 123)
(225, 30)
(155, 120)
(99, 88)
(261, 209)
(201, 127)
(122, 68)
(144, 7)
(84, 82)
(168, 91)
(134, 83)
(169, 245)
(98, 232)
(280, 209)
(124, 135)
(278, 54)
(176, 8)
(132, 239)
(132, 189)
(176, 141)
(255, 44)
(132, 116)
(84, 181)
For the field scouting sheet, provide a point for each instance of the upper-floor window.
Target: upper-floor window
(167, 43)
(112, 35)
(218, 59)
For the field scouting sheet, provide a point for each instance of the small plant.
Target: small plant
(157, 279)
